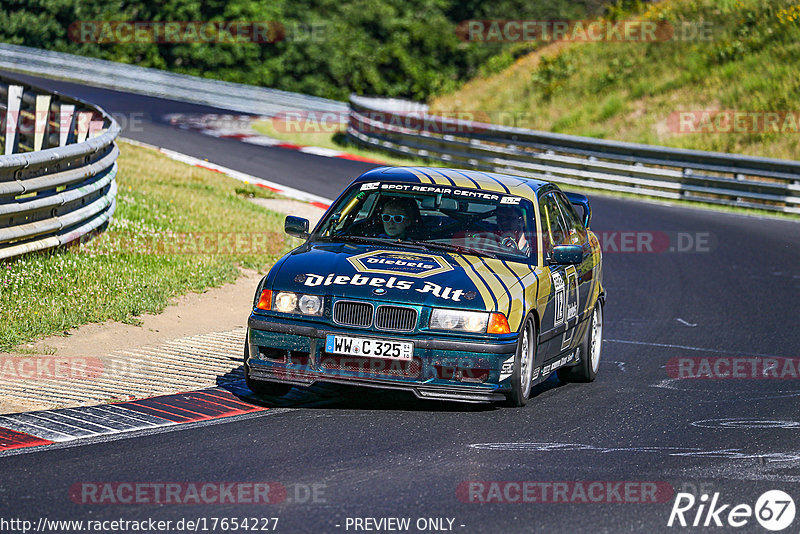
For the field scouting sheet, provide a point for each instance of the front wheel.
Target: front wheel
(522, 374)
(586, 370)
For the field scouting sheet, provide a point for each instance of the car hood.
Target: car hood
(400, 275)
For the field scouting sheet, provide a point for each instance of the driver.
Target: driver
(511, 228)
(397, 216)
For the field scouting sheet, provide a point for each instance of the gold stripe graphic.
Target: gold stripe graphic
(477, 280)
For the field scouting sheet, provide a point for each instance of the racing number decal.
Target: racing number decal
(558, 286)
(569, 302)
(572, 292)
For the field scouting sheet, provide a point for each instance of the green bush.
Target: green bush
(552, 72)
(397, 48)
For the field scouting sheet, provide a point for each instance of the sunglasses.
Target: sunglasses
(396, 218)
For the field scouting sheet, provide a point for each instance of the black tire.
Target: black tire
(522, 374)
(586, 370)
(261, 387)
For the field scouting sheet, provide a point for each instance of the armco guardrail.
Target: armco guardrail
(713, 177)
(160, 83)
(57, 169)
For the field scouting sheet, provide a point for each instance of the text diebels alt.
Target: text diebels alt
(392, 282)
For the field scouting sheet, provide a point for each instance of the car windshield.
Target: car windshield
(434, 217)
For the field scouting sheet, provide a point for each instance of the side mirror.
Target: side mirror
(296, 226)
(567, 255)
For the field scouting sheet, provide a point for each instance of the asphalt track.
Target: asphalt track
(379, 455)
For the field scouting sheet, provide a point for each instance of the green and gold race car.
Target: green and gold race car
(453, 284)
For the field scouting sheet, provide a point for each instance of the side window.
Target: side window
(554, 230)
(576, 230)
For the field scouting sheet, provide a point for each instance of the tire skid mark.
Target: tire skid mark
(690, 452)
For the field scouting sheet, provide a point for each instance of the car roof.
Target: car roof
(469, 179)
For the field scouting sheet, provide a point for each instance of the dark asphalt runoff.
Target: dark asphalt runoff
(371, 455)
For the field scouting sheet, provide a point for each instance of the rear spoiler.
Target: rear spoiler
(576, 199)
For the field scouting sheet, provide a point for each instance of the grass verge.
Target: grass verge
(741, 56)
(176, 229)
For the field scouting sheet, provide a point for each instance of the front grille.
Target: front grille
(373, 366)
(396, 318)
(351, 313)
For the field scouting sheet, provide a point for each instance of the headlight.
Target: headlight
(285, 302)
(310, 304)
(468, 321)
(288, 302)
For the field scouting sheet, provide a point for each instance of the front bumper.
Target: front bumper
(442, 368)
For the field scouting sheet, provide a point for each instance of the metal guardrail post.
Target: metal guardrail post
(66, 114)
(12, 118)
(40, 121)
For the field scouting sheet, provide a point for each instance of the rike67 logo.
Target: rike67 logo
(774, 510)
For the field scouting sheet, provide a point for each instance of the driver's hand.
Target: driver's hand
(510, 242)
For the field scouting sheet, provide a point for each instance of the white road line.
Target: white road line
(55, 422)
(108, 419)
(33, 429)
(684, 347)
(261, 140)
(85, 420)
(319, 151)
(136, 416)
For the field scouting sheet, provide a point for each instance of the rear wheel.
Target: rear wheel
(522, 374)
(586, 370)
(262, 387)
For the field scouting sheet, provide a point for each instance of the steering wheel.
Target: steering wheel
(510, 242)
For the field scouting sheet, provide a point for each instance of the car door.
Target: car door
(578, 236)
(563, 302)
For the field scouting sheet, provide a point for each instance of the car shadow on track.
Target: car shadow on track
(351, 397)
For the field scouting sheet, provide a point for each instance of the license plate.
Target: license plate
(371, 348)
